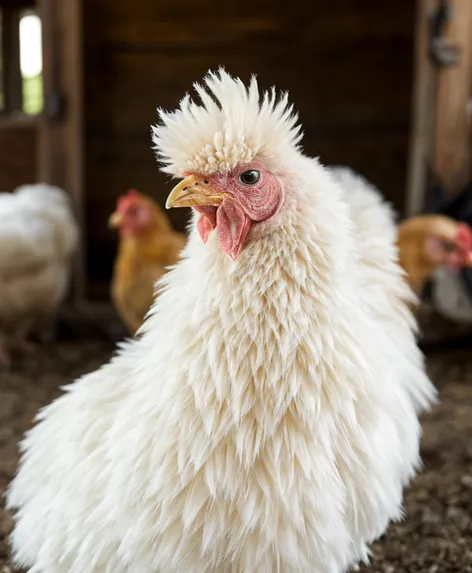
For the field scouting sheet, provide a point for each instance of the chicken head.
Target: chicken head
(451, 246)
(135, 213)
(427, 242)
(231, 202)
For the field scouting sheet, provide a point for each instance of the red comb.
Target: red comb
(464, 236)
(127, 199)
(463, 254)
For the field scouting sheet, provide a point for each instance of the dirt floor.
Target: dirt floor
(436, 536)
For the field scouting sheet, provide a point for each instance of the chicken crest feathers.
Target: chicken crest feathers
(232, 125)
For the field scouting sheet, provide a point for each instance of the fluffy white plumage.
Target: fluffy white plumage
(265, 420)
(450, 296)
(38, 235)
(377, 231)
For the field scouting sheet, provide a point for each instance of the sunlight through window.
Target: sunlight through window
(31, 63)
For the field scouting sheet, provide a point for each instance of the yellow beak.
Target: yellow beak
(194, 191)
(115, 220)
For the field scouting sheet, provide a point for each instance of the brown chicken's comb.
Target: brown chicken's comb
(128, 198)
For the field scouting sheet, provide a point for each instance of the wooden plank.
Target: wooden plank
(51, 169)
(12, 80)
(213, 30)
(348, 13)
(72, 70)
(368, 102)
(451, 151)
(18, 121)
(420, 153)
(18, 157)
(61, 134)
(138, 43)
(17, 4)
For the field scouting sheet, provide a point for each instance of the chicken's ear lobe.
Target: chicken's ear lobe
(437, 249)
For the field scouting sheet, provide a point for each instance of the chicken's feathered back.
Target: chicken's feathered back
(385, 288)
(376, 233)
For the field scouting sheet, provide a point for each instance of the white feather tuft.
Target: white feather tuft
(233, 124)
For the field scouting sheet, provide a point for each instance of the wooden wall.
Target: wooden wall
(347, 64)
(18, 153)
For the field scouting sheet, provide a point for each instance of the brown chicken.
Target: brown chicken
(148, 245)
(427, 242)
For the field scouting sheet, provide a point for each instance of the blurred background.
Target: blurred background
(81, 80)
(382, 87)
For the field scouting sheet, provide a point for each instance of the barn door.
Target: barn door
(441, 126)
(452, 150)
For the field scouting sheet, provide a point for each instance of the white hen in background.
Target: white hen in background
(38, 236)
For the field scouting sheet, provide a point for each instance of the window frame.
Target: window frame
(11, 76)
(12, 79)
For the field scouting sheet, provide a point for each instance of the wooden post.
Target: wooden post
(12, 80)
(50, 133)
(422, 111)
(61, 131)
(451, 149)
(74, 125)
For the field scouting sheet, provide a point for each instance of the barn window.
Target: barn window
(21, 86)
(31, 63)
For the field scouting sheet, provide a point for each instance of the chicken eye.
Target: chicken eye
(250, 177)
(449, 247)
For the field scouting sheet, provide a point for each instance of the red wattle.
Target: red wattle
(204, 228)
(206, 222)
(232, 226)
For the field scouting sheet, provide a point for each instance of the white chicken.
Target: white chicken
(266, 419)
(38, 236)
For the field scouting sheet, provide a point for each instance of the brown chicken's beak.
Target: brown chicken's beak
(115, 220)
(194, 191)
